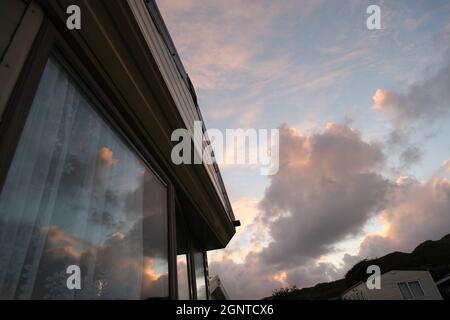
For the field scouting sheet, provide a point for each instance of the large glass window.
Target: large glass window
(76, 194)
(200, 278)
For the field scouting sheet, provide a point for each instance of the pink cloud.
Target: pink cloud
(106, 157)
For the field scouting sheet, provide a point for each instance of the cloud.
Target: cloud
(311, 274)
(329, 183)
(241, 55)
(251, 236)
(254, 279)
(250, 279)
(424, 100)
(61, 244)
(117, 260)
(444, 36)
(227, 37)
(410, 156)
(106, 157)
(415, 113)
(415, 212)
(326, 190)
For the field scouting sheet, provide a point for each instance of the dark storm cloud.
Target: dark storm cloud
(326, 190)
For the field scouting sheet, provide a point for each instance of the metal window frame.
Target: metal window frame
(188, 274)
(14, 58)
(409, 289)
(185, 235)
(191, 250)
(420, 286)
(49, 42)
(413, 296)
(206, 268)
(193, 275)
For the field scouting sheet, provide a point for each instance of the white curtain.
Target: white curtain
(74, 195)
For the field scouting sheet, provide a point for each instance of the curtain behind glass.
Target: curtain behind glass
(75, 194)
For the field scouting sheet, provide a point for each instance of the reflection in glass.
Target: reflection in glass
(406, 293)
(200, 279)
(75, 194)
(416, 289)
(183, 279)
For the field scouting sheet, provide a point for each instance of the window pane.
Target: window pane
(183, 280)
(405, 291)
(75, 194)
(200, 276)
(416, 289)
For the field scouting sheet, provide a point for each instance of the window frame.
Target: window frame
(407, 287)
(206, 268)
(191, 247)
(75, 60)
(188, 274)
(184, 235)
(413, 296)
(420, 286)
(205, 272)
(191, 275)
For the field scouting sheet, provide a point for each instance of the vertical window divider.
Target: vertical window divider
(173, 283)
(205, 267)
(191, 268)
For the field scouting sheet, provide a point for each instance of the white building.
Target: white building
(397, 285)
(217, 290)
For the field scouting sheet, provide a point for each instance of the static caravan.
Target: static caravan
(397, 285)
(91, 204)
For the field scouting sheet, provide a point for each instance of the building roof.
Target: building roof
(217, 289)
(382, 274)
(165, 35)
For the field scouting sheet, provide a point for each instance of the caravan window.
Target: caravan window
(81, 215)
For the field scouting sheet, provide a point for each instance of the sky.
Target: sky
(364, 124)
